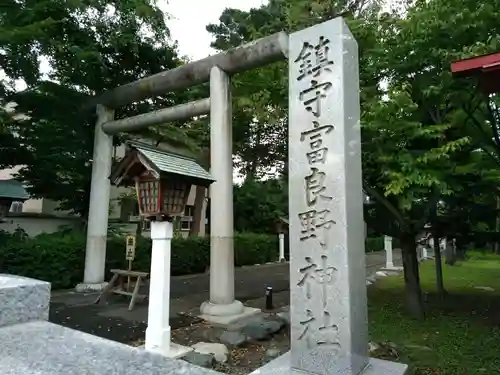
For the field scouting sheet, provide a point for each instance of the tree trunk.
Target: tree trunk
(413, 292)
(439, 266)
(198, 221)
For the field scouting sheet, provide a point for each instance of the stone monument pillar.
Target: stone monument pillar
(329, 327)
(328, 300)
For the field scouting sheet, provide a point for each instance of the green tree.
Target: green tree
(260, 105)
(417, 140)
(90, 46)
(442, 140)
(406, 167)
(258, 205)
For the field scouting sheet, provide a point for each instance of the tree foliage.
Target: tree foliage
(429, 139)
(261, 96)
(258, 205)
(426, 135)
(85, 47)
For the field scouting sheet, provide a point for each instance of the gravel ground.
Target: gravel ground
(242, 360)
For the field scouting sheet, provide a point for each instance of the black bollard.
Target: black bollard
(269, 298)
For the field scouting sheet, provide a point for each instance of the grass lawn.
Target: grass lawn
(461, 334)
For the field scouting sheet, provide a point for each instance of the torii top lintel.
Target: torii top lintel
(236, 60)
(485, 67)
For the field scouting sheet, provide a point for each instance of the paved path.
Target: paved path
(115, 322)
(248, 285)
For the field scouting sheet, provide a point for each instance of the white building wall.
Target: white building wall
(48, 207)
(34, 226)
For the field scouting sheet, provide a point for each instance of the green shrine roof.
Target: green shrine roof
(172, 163)
(13, 189)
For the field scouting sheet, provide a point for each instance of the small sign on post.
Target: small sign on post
(130, 249)
(129, 255)
(117, 283)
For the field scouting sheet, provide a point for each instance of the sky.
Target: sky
(188, 27)
(190, 18)
(187, 24)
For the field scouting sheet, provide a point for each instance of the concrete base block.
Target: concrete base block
(158, 341)
(281, 366)
(89, 288)
(230, 319)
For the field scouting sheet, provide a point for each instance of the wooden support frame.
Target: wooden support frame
(117, 282)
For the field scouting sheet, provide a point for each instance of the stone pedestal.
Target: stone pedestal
(158, 331)
(33, 346)
(23, 300)
(43, 348)
(281, 366)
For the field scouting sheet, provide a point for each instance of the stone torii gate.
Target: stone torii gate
(328, 306)
(217, 69)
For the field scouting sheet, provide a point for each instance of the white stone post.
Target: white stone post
(419, 252)
(430, 249)
(158, 331)
(425, 253)
(389, 262)
(281, 240)
(222, 306)
(97, 226)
